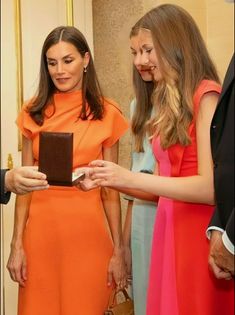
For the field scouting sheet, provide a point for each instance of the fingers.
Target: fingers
(26, 179)
(27, 186)
(120, 278)
(44, 187)
(31, 172)
(129, 279)
(99, 173)
(218, 272)
(24, 271)
(82, 170)
(88, 184)
(32, 184)
(98, 163)
(122, 283)
(18, 273)
(96, 169)
(110, 278)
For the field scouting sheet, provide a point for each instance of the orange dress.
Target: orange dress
(66, 239)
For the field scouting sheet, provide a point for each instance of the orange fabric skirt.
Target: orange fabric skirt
(68, 249)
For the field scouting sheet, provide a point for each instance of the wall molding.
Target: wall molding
(19, 62)
(69, 13)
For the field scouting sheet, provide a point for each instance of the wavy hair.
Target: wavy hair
(91, 91)
(184, 62)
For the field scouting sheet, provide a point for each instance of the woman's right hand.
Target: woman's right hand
(86, 184)
(17, 266)
(109, 174)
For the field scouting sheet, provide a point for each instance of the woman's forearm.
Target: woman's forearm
(112, 207)
(127, 225)
(139, 194)
(196, 188)
(21, 216)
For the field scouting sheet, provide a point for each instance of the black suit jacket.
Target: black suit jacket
(4, 196)
(222, 144)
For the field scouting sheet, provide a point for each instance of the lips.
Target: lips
(62, 80)
(144, 70)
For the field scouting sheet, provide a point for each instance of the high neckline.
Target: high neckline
(72, 93)
(73, 98)
(65, 102)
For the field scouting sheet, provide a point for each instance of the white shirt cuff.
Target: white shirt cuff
(209, 230)
(227, 243)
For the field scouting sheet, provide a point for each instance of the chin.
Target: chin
(147, 77)
(63, 89)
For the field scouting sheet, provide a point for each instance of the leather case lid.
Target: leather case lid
(56, 157)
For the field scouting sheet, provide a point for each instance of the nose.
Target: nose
(144, 59)
(141, 60)
(59, 68)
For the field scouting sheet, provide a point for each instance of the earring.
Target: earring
(85, 70)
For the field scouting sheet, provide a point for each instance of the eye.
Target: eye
(148, 51)
(134, 53)
(51, 63)
(68, 61)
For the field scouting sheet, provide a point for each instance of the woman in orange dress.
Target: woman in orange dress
(65, 255)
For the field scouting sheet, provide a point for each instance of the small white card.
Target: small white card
(76, 178)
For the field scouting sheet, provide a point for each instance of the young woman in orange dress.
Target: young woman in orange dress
(67, 248)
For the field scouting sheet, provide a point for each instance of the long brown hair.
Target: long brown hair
(91, 91)
(184, 62)
(143, 93)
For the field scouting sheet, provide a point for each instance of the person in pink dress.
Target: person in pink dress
(186, 92)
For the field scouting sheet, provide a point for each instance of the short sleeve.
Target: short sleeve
(25, 122)
(114, 122)
(206, 86)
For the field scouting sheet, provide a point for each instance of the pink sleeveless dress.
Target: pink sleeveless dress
(180, 280)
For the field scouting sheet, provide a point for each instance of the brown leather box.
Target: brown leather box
(56, 157)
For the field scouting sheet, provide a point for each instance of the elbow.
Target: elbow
(210, 202)
(206, 191)
(209, 197)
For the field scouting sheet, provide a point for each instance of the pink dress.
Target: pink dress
(180, 280)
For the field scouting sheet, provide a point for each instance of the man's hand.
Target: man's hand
(25, 179)
(221, 260)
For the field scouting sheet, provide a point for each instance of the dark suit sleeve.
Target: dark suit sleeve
(5, 196)
(215, 220)
(230, 227)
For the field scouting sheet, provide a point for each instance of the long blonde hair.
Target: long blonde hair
(184, 62)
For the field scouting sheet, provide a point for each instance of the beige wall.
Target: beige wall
(215, 19)
(112, 21)
(220, 32)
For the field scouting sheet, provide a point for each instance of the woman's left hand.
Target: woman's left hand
(117, 269)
